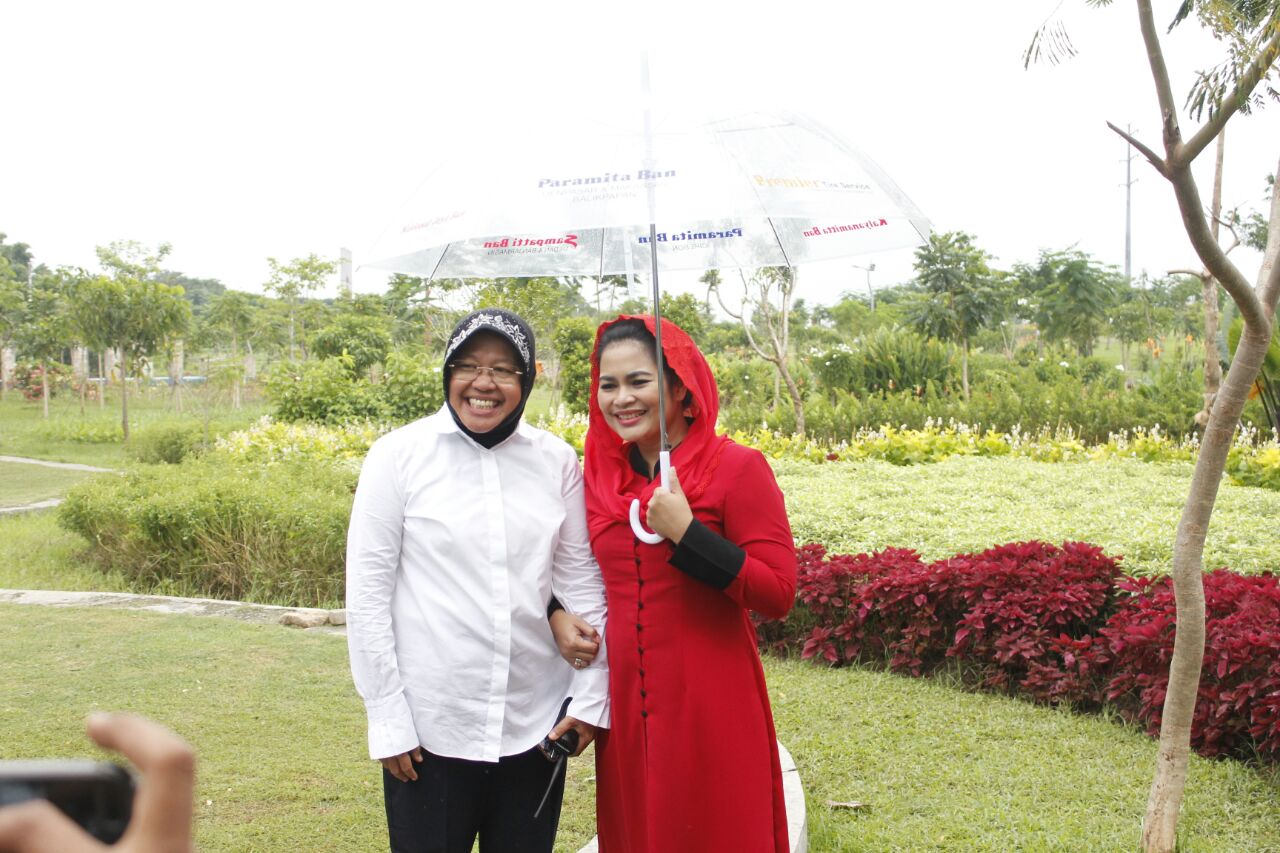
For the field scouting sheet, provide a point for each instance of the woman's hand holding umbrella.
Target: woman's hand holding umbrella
(668, 513)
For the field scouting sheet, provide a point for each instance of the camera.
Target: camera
(567, 745)
(97, 795)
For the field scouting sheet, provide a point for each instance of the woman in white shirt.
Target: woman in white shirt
(465, 523)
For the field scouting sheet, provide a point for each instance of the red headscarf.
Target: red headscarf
(611, 483)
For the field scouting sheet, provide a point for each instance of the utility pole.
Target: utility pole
(344, 275)
(871, 294)
(1128, 209)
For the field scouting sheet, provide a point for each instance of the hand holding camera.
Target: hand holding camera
(161, 811)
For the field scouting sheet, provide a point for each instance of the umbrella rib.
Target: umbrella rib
(436, 268)
(755, 192)
(600, 268)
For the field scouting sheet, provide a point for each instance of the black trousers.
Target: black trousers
(454, 800)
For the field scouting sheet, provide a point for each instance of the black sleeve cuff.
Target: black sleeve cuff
(707, 556)
(553, 606)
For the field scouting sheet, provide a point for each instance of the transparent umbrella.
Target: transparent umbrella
(593, 199)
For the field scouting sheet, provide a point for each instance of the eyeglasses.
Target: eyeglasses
(501, 375)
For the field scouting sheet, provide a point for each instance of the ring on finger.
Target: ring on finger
(579, 663)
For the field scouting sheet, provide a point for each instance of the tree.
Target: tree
(1131, 321)
(1072, 296)
(573, 340)
(765, 309)
(233, 312)
(199, 291)
(13, 305)
(1253, 30)
(44, 330)
(18, 256)
(956, 295)
(290, 281)
(129, 310)
(542, 302)
(366, 338)
(683, 309)
(417, 305)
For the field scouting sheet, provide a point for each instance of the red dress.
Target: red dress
(690, 761)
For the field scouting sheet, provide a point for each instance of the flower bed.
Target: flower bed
(1054, 624)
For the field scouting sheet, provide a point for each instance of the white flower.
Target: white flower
(1063, 364)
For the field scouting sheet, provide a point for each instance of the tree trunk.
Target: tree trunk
(1212, 367)
(124, 398)
(797, 402)
(1159, 831)
(250, 363)
(964, 366)
(177, 367)
(235, 357)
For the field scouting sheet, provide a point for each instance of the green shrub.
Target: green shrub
(1260, 468)
(83, 431)
(885, 360)
(573, 340)
(168, 443)
(269, 442)
(323, 392)
(265, 533)
(411, 388)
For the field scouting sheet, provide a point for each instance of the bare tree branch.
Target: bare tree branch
(1269, 275)
(1178, 170)
(1160, 75)
(1211, 255)
(746, 327)
(1151, 156)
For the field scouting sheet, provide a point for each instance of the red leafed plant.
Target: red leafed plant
(1055, 624)
(1238, 707)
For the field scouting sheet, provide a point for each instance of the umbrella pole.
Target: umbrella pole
(664, 446)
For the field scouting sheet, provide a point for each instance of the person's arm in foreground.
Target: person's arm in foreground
(373, 558)
(161, 808)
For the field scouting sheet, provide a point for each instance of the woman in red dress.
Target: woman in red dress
(690, 761)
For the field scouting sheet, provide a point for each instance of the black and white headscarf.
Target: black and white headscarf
(515, 331)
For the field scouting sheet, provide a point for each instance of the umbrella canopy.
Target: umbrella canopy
(753, 190)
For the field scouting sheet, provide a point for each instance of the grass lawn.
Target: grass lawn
(1127, 507)
(94, 437)
(35, 553)
(280, 734)
(25, 484)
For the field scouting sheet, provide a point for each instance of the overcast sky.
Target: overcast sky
(239, 131)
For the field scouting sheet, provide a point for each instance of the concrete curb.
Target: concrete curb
(52, 502)
(14, 510)
(73, 466)
(334, 622)
(315, 619)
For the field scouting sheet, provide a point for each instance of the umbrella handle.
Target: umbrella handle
(664, 467)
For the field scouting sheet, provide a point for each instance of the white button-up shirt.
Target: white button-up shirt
(452, 555)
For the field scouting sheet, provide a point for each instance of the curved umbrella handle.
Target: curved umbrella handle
(664, 467)
(638, 529)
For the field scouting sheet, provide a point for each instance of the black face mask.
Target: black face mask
(515, 331)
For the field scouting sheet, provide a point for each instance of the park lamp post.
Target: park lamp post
(870, 268)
